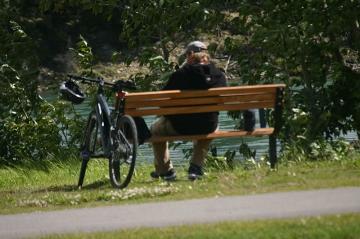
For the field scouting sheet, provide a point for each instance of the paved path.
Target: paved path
(261, 206)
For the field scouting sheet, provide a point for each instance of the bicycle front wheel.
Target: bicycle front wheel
(122, 160)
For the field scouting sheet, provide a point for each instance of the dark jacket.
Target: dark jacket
(195, 77)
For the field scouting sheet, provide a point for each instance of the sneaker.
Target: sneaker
(169, 176)
(195, 172)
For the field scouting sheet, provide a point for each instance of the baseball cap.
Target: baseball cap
(195, 46)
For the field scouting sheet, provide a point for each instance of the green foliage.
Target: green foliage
(159, 22)
(317, 150)
(227, 161)
(245, 150)
(83, 54)
(312, 46)
(217, 163)
(69, 124)
(20, 106)
(29, 125)
(104, 7)
(160, 71)
(301, 43)
(159, 31)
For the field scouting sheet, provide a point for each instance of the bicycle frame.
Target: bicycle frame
(116, 131)
(104, 123)
(106, 120)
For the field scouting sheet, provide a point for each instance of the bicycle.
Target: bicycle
(109, 133)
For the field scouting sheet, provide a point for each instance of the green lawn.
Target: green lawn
(329, 227)
(53, 185)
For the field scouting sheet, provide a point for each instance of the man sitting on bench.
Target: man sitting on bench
(198, 73)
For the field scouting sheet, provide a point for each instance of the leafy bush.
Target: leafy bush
(313, 47)
(30, 127)
(304, 150)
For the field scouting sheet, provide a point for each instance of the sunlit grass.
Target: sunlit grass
(52, 185)
(329, 227)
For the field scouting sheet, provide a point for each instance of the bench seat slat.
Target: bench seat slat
(217, 134)
(162, 102)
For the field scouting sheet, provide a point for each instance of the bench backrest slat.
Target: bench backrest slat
(199, 101)
(201, 93)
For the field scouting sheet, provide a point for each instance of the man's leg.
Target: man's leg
(197, 162)
(162, 160)
(162, 127)
(201, 147)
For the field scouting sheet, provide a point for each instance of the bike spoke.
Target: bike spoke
(124, 154)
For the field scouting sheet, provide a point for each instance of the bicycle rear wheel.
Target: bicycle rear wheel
(122, 160)
(91, 146)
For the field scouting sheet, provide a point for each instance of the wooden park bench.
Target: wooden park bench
(237, 98)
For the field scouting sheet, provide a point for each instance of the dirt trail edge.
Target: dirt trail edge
(160, 214)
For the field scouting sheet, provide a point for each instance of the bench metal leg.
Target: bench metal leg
(272, 151)
(262, 118)
(277, 126)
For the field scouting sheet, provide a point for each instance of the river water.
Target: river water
(145, 154)
(260, 144)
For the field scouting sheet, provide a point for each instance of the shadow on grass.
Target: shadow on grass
(154, 181)
(95, 185)
(71, 188)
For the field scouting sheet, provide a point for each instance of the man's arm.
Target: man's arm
(215, 77)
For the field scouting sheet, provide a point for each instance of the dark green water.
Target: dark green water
(222, 145)
(145, 154)
(260, 144)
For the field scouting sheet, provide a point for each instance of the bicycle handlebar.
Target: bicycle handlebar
(119, 85)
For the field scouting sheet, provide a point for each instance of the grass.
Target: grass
(336, 227)
(52, 185)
